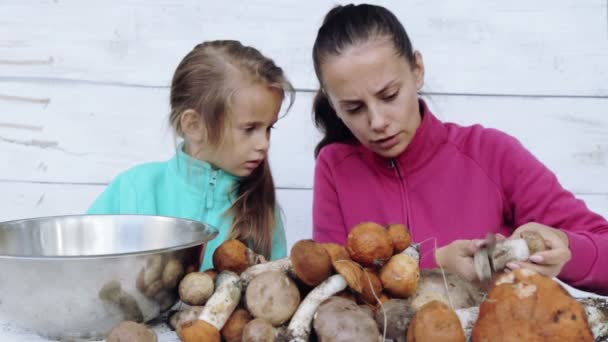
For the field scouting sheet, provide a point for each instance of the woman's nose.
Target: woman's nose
(377, 120)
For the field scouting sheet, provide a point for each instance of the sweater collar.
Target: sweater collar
(429, 136)
(201, 176)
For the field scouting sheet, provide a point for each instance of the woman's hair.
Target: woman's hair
(343, 27)
(205, 81)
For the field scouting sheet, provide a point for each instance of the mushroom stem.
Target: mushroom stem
(299, 326)
(224, 300)
(596, 309)
(281, 265)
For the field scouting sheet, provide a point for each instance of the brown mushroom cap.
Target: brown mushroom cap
(340, 320)
(233, 255)
(527, 306)
(372, 287)
(272, 296)
(196, 288)
(369, 244)
(310, 262)
(435, 321)
(259, 330)
(400, 276)
(199, 331)
(132, 332)
(336, 252)
(233, 329)
(400, 237)
(534, 240)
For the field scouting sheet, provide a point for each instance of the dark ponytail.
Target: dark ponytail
(328, 123)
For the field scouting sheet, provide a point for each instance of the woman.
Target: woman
(386, 158)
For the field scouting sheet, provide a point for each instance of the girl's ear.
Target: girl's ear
(193, 127)
(418, 69)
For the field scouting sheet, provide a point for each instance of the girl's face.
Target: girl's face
(374, 92)
(254, 110)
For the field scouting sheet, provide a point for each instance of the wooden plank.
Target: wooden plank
(90, 133)
(551, 47)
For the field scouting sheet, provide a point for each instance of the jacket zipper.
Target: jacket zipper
(405, 208)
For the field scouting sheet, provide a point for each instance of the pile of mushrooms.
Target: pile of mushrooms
(371, 289)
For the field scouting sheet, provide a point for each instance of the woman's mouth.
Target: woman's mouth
(387, 143)
(252, 164)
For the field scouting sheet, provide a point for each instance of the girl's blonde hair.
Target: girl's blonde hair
(205, 81)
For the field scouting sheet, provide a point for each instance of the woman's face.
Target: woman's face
(374, 92)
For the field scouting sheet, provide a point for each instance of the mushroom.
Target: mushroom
(394, 316)
(186, 315)
(435, 321)
(369, 244)
(259, 330)
(336, 252)
(298, 329)
(196, 288)
(113, 293)
(400, 275)
(372, 288)
(233, 329)
(233, 255)
(128, 331)
(272, 296)
(436, 284)
(400, 237)
(172, 273)
(489, 261)
(340, 320)
(308, 261)
(216, 312)
(534, 240)
(526, 306)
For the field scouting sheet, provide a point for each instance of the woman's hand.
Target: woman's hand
(457, 258)
(551, 261)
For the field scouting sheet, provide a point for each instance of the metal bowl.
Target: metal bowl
(75, 277)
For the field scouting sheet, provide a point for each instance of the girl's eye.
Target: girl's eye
(249, 129)
(353, 110)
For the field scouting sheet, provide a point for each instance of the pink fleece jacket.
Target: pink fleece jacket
(452, 183)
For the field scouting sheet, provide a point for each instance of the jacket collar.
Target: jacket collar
(429, 136)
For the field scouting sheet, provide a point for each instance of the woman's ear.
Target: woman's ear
(193, 127)
(418, 70)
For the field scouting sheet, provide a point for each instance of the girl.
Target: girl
(386, 158)
(225, 99)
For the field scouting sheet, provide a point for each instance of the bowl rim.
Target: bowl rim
(214, 232)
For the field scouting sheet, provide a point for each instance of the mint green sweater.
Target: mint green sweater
(182, 187)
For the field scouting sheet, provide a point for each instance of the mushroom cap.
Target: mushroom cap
(352, 273)
(233, 329)
(369, 244)
(132, 332)
(259, 330)
(199, 331)
(398, 316)
(432, 286)
(372, 287)
(435, 321)
(233, 255)
(310, 262)
(272, 296)
(173, 273)
(336, 252)
(400, 236)
(338, 319)
(400, 276)
(534, 240)
(195, 288)
(526, 306)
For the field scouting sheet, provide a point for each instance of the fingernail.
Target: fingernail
(536, 258)
(513, 265)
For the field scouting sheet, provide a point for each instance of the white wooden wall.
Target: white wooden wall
(84, 87)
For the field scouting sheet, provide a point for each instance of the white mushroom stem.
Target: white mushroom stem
(224, 300)
(300, 324)
(414, 251)
(507, 251)
(281, 265)
(596, 317)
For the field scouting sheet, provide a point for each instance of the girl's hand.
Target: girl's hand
(551, 261)
(457, 258)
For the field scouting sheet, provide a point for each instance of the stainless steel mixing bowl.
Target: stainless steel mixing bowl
(75, 277)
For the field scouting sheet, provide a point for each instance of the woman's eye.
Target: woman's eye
(353, 110)
(390, 97)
